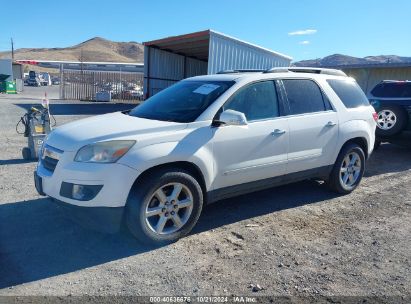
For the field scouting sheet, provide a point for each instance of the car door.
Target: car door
(313, 125)
(257, 150)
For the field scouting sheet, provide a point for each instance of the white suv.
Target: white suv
(207, 138)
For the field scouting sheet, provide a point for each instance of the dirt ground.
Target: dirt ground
(295, 240)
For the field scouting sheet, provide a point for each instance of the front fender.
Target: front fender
(153, 155)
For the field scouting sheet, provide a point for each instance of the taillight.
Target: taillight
(375, 116)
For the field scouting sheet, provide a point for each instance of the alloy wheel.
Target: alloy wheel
(386, 119)
(350, 170)
(169, 208)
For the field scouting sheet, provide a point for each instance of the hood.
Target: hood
(76, 134)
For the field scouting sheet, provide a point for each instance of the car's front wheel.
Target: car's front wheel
(348, 170)
(164, 207)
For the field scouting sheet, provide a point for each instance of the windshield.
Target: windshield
(182, 102)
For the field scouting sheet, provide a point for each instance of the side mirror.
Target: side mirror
(232, 118)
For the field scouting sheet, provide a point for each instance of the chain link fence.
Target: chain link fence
(101, 86)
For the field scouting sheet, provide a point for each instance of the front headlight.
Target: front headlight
(104, 152)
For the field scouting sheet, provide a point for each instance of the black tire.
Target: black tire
(335, 182)
(141, 195)
(26, 152)
(399, 124)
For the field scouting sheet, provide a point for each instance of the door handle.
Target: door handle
(277, 132)
(330, 124)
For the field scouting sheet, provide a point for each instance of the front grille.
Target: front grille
(49, 163)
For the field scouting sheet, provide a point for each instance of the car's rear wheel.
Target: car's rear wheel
(391, 120)
(164, 207)
(348, 170)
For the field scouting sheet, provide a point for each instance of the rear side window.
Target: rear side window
(257, 101)
(304, 96)
(349, 92)
(392, 89)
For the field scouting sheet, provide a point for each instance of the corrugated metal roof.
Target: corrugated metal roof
(178, 38)
(192, 45)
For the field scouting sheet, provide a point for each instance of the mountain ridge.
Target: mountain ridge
(336, 60)
(104, 50)
(94, 49)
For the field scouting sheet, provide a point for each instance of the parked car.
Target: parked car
(34, 82)
(207, 138)
(392, 101)
(33, 79)
(128, 95)
(45, 79)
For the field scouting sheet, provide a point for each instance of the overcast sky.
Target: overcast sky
(300, 29)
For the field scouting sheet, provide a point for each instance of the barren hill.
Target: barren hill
(95, 49)
(341, 60)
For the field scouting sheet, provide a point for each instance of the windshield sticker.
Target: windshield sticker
(206, 89)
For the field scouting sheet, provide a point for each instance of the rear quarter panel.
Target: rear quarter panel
(356, 128)
(355, 122)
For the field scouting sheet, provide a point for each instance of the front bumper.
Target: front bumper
(105, 219)
(116, 181)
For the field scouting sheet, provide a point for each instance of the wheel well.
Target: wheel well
(191, 168)
(362, 142)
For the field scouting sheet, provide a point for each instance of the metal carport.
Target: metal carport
(171, 59)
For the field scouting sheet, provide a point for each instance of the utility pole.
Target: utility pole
(81, 60)
(12, 49)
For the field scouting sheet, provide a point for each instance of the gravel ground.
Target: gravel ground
(298, 239)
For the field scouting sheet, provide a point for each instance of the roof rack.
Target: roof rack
(306, 70)
(236, 71)
(287, 70)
